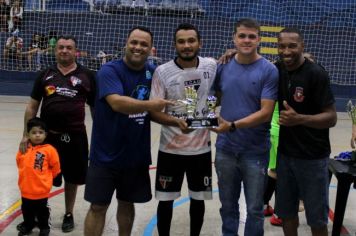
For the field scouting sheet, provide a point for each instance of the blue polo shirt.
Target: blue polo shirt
(120, 140)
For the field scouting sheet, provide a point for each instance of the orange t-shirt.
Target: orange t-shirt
(37, 168)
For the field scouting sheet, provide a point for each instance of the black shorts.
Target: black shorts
(73, 151)
(131, 185)
(170, 175)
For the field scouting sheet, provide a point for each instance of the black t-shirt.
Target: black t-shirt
(307, 90)
(64, 97)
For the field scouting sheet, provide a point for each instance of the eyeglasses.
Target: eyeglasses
(250, 36)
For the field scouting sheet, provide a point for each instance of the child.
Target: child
(37, 168)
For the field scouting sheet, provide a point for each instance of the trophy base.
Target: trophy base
(202, 123)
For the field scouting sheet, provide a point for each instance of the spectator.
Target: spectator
(4, 15)
(49, 51)
(13, 48)
(51, 42)
(16, 12)
(35, 50)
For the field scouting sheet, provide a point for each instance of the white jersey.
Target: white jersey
(169, 82)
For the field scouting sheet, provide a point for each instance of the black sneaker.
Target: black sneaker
(44, 232)
(21, 225)
(68, 223)
(23, 230)
(24, 234)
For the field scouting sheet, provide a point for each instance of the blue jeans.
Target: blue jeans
(250, 169)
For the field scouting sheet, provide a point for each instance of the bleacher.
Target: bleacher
(103, 25)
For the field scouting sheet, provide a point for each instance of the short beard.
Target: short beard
(188, 58)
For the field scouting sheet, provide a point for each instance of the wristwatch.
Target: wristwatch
(232, 127)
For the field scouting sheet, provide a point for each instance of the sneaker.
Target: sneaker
(268, 211)
(23, 230)
(275, 220)
(68, 223)
(21, 225)
(24, 234)
(44, 232)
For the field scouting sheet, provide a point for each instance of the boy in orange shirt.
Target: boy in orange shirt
(37, 168)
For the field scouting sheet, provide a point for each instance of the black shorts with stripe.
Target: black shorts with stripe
(170, 174)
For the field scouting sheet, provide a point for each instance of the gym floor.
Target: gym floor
(11, 125)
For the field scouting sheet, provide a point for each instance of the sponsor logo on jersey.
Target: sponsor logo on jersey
(173, 83)
(180, 115)
(195, 82)
(75, 81)
(50, 89)
(192, 82)
(66, 92)
(148, 75)
(139, 117)
(298, 94)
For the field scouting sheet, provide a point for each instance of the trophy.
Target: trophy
(194, 122)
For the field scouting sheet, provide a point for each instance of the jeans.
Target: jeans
(251, 169)
(306, 179)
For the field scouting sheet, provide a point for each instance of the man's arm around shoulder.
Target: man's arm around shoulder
(30, 112)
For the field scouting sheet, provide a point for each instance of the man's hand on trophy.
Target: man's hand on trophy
(182, 124)
(224, 126)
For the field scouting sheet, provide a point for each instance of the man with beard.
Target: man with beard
(182, 150)
(307, 111)
(248, 85)
(63, 89)
(120, 152)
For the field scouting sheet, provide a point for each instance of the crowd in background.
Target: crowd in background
(11, 15)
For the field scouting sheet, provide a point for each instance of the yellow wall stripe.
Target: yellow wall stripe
(269, 39)
(276, 29)
(265, 50)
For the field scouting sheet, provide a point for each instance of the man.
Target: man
(182, 150)
(248, 85)
(307, 111)
(63, 89)
(120, 148)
